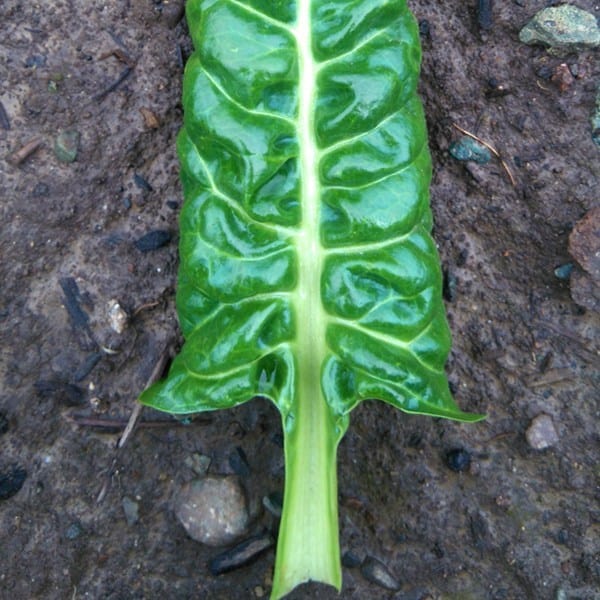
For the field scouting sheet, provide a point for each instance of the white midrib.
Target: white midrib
(310, 312)
(308, 243)
(308, 541)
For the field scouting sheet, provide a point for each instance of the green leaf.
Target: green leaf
(308, 274)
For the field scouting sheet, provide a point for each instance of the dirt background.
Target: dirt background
(518, 524)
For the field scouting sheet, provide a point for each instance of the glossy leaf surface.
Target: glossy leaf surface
(308, 274)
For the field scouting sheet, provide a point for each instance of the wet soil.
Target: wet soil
(518, 523)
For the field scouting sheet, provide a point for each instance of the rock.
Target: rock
(131, 510)
(117, 317)
(584, 242)
(541, 433)
(562, 77)
(564, 27)
(60, 391)
(213, 510)
(74, 530)
(172, 12)
(153, 240)
(199, 463)
(458, 459)
(274, 503)
(584, 247)
(563, 271)
(11, 481)
(3, 423)
(350, 560)
(87, 366)
(485, 15)
(584, 290)
(150, 119)
(376, 572)
(595, 120)
(142, 183)
(66, 146)
(468, 149)
(238, 461)
(240, 555)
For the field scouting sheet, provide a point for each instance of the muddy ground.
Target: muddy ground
(519, 523)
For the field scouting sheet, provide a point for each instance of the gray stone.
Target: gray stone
(130, 508)
(564, 27)
(213, 510)
(199, 463)
(468, 149)
(541, 433)
(376, 572)
(66, 146)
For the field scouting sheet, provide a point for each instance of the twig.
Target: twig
(133, 419)
(120, 424)
(17, 157)
(491, 149)
(113, 86)
(106, 484)
(119, 55)
(145, 306)
(4, 120)
(159, 367)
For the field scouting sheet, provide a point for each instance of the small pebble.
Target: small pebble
(238, 461)
(213, 510)
(66, 146)
(468, 149)
(274, 503)
(87, 366)
(153, 240)
(350, 560)
(73, 531)
(584, 242)
(35, 60)
(67, 394)
(150, 119)
(40, 190)
(485, 15)
(259, 591)
(3, 423)
(562, 77)
(449, 286)
(117, 317)
(4, 120)
(424, 28)
(595, 120)
(131, 510)
(172, 12)
(11, 481)
(141, 182)
(563, 272)
(458, 459)
(562, 537)
(376, 572)
(241, 555)
(541, 433)
(199, 463)
(544, 72)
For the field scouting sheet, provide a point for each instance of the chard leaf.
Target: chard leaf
(308, 274)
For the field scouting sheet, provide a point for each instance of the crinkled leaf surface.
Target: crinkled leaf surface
(308, 274)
